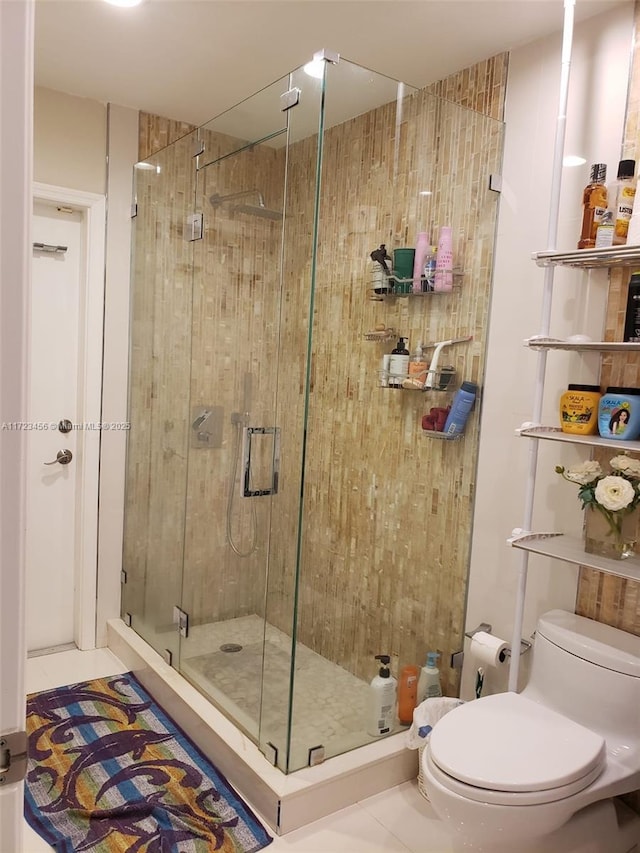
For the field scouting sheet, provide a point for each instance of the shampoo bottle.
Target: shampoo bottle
(407, 694)
(429, 276)
(382, 700)
(429, 682)
(398, 364)
(460, 408)
(444, 261)
(423, 247)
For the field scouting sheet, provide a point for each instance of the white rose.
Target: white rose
(614, 493)
(584, 473)
(626, 465)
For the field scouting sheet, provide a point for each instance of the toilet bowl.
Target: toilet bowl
(507, 769)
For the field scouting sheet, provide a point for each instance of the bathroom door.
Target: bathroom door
(62, 430)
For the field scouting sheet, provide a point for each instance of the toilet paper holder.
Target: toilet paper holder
(525, 645)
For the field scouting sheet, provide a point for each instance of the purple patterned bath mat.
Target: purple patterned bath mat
(110, 772)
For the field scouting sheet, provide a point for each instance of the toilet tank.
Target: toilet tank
(589, 672)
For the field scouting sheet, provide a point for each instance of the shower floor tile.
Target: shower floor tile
(329, 703)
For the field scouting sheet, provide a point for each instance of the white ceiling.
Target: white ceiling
(192, 59)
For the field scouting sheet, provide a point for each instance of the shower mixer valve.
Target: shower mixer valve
(206, 426)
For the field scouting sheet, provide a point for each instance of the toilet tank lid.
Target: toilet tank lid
(593, 641)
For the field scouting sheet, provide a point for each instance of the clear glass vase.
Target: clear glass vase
(612, 535)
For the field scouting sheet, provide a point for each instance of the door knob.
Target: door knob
(63, 457)
(65, 426)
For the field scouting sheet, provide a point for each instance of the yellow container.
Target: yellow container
(579, 409)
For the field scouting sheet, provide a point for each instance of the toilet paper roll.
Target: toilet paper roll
(488, 650)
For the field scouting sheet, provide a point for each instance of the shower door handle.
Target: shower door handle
(249, 432)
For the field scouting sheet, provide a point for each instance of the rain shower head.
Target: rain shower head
(258, 209)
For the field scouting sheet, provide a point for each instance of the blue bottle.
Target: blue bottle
(460, 408)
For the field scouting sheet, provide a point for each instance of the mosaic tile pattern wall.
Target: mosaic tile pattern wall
(387, 512)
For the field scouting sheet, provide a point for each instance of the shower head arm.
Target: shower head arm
(216, 199)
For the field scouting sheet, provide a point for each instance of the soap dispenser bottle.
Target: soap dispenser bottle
(418, 368)
(382, 700)
(429, 681)
(398, 364)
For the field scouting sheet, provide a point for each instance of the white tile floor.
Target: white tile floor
(395, 821)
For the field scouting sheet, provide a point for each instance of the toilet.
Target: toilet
(538, 769)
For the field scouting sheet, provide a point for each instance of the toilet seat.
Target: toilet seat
(508, 749)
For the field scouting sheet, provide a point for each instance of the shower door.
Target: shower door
(252, 292)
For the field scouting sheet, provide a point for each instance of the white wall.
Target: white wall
(90, 146)
(70, 141)
(595, 119)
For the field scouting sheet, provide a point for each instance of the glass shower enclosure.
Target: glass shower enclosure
(273, 545)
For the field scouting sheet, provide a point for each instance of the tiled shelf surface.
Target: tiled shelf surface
(556, 434)
(612, 256)
(570, 549)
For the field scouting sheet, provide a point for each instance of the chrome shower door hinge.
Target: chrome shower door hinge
(198, 147)
(181, 619)
(13, 757)
(134, 210)
(290, 99)
(126, 618)
(123, 576)
(195, 227)
(495, 183)
(167, 654)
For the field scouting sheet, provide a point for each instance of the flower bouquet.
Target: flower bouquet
(615, 497)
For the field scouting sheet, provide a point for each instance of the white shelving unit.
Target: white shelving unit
(570, 549)
(558, 546)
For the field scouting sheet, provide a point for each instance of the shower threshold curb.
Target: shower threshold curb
(286, 802)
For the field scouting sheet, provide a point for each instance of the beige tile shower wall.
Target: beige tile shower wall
(387, 511)
(606, 598)
(480, 87)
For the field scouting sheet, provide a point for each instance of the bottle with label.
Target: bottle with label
(398, 364)
(604, 231)
(423, 245)
(443, 280)
(429, 681)
(625, 195)
(594, 204)
(460, 408)
(382, 700)
(407, 694)
(417, 369)
(429, 275)
(632, 315)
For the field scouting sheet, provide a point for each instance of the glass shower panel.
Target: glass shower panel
(234, 435)
(356, 206)
(160, 355)
(386, 513)
(285, 661)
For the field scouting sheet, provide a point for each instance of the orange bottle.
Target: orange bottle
(407, 694)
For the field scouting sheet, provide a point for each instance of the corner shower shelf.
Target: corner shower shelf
(612, 256)
(556, 434)
(581, 346)
(570, 549)
(458, 275)
(443, 436)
